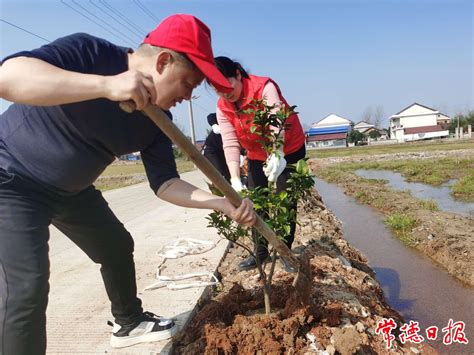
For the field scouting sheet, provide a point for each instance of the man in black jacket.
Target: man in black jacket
(62, 131)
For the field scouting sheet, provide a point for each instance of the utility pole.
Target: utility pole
(459, 132)
(191, 119)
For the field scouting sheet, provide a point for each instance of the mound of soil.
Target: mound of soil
(346, 302)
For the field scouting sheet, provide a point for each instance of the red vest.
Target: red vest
(252, 88)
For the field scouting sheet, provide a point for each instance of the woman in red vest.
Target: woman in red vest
(235, 131)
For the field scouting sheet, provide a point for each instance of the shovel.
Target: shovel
(302, 281)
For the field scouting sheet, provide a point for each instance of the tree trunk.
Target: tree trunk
(266, 297)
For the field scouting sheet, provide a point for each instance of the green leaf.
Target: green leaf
(302, 167)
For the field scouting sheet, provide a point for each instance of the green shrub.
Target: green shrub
(430, 205)
(464, 188)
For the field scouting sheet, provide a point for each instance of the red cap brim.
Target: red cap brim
(210, 71)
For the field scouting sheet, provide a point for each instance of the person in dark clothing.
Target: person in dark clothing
(213, 150)
(62, 131)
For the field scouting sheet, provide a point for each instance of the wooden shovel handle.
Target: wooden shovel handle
(176, 136)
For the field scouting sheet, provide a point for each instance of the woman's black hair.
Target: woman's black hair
(229, 68)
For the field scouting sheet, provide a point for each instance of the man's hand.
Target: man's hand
(184, 194)
(276, 163)
(244, 214)
(131, 85)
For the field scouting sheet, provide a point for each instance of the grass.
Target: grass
(129, 173)
(402, 224)
(183, 166)
(464, 188)
(429, 205)
(393, 148)
(124, 169)
(368, 199)
(433, 172)
(429, 171)
(362, 196)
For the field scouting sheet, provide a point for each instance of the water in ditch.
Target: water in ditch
(442, 194)
(412, 283)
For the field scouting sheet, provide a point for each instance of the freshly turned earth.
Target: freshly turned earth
(346, 302)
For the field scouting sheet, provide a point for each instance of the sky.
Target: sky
(345, 57)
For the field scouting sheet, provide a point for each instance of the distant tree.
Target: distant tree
(367, 115)
(373, 115)
(464, 121)
(374, 134)
(355, 137)
(378, 116)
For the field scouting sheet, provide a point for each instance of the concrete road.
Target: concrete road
(78, 305)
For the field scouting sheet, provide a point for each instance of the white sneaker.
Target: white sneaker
(148, 328)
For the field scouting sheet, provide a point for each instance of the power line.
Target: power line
(112, 27)
(114, 18)
(146, 11)
(93, 21)
(119, 14)
(24, 30)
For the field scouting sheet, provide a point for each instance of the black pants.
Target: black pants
(257, 178)
(26, 211)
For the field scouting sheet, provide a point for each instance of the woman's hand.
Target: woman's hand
(237, 184)
(276, 163)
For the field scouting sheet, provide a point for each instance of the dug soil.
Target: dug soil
(345, 307)
(447, 238)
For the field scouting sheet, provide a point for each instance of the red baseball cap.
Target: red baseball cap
(189, 35)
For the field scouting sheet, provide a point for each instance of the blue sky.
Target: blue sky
(337, 57)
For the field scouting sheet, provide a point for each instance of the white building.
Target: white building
(330, 132)
(417, 122)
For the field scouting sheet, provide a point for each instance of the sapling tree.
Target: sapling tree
(269, 123)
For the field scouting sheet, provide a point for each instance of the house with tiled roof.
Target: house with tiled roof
(329, 132)
(363, 126)
(417, 122)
